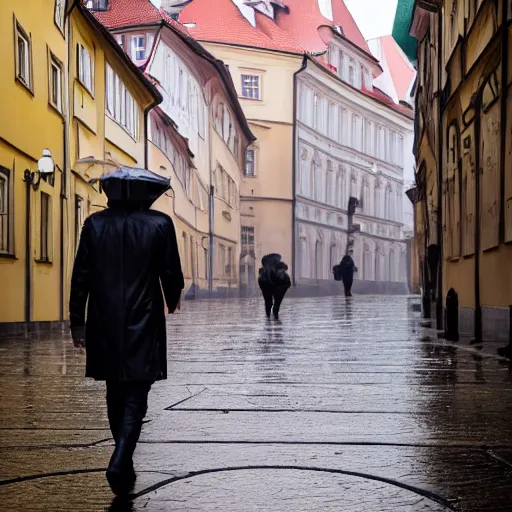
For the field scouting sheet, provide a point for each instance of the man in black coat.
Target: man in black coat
(127, 255)
(274, 283)
(347, 269)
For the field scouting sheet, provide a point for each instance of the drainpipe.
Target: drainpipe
(504, 97)
(478, 306)
(439, 304)
(294, 169)
(28, 284)
(210, 220)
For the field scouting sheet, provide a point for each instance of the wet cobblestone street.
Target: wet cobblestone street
(341, 406)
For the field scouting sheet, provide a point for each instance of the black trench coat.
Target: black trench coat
(124, 261)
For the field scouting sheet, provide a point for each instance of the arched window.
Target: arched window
(303, 258)
(332, 256)
(303, 177)
(451, 194)
(367, 263)
(318, 260)
(376, 199)
(329, 191)
(392, 266)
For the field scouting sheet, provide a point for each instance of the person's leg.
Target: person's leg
(266, 290)
(115, 406)
(349, 286)
(120, 474)
(279, 294)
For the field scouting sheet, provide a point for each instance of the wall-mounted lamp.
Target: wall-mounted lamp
(45, 166)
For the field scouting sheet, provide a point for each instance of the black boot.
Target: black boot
(505, 351)
(120, 473)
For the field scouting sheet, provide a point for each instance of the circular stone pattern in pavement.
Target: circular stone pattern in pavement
(280, 490)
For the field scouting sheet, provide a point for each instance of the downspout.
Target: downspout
(64, 180)
(211, 211)
(294, 169)
(440, 131)
(504, 97)
(28, 284)
(478, 306)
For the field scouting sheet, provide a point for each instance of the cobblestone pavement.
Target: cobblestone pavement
(341, 406)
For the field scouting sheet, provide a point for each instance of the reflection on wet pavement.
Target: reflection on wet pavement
(340, 406)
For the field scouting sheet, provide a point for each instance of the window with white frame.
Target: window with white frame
(368, 136)
(45, 228)
(341, 65)
(138, 47)
(6, 212)
(250, 162)
(251, 87)
(367, 79)
(59, 15)
(401, 150)
(120, 104)
(97, 5)
(341, 126)
(317, 112)
(85, 67)
(23, 57)
(352, 72)
(121, 40)
(55, 85)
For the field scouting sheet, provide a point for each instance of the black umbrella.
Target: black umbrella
(133, 187)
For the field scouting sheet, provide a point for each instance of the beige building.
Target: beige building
(198, 138)
(262, 61)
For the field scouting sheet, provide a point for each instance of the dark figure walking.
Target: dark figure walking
(127, 255)
(347, 269)
(274, 283)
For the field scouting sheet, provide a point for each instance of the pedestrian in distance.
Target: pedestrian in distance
(128, 254)
(345, 272)
(274, 282)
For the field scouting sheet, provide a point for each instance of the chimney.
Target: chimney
(174, 7)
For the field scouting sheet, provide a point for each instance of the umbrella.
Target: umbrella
(130, 186)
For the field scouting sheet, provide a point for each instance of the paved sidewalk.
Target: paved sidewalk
(341, 406)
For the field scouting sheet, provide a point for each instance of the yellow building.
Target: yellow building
(464, 194)
(68, 78)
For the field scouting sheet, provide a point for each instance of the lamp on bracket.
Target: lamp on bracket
(45, 167)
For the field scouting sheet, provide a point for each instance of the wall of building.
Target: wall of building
(266, 194)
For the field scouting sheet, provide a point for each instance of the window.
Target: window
(79, 218)
(352, 72)
(121, 40)
(60, 11)
(55, 85)
(222, 259)
(85, 68)
(247, 238)
(6, 216)
(367, 79)
(249, 162)
(23, 57)
(97, 5)
(45, 227)
(251, 87)
(120, 104)
(138, 47)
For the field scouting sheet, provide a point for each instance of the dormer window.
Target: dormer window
(326, 8)
(139, 47)
(97, 5)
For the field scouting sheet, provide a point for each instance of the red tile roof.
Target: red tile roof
(222, 21)
(130, 13)
(401, 70)
(304, 19)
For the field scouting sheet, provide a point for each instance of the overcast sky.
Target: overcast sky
(374, 17)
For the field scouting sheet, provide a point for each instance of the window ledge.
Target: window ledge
(56, 109)
(43, 262)
(29, 89)
(85, 88)
(7, 256)
(250, 99)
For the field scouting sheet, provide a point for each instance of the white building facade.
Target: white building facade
(349, 144)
